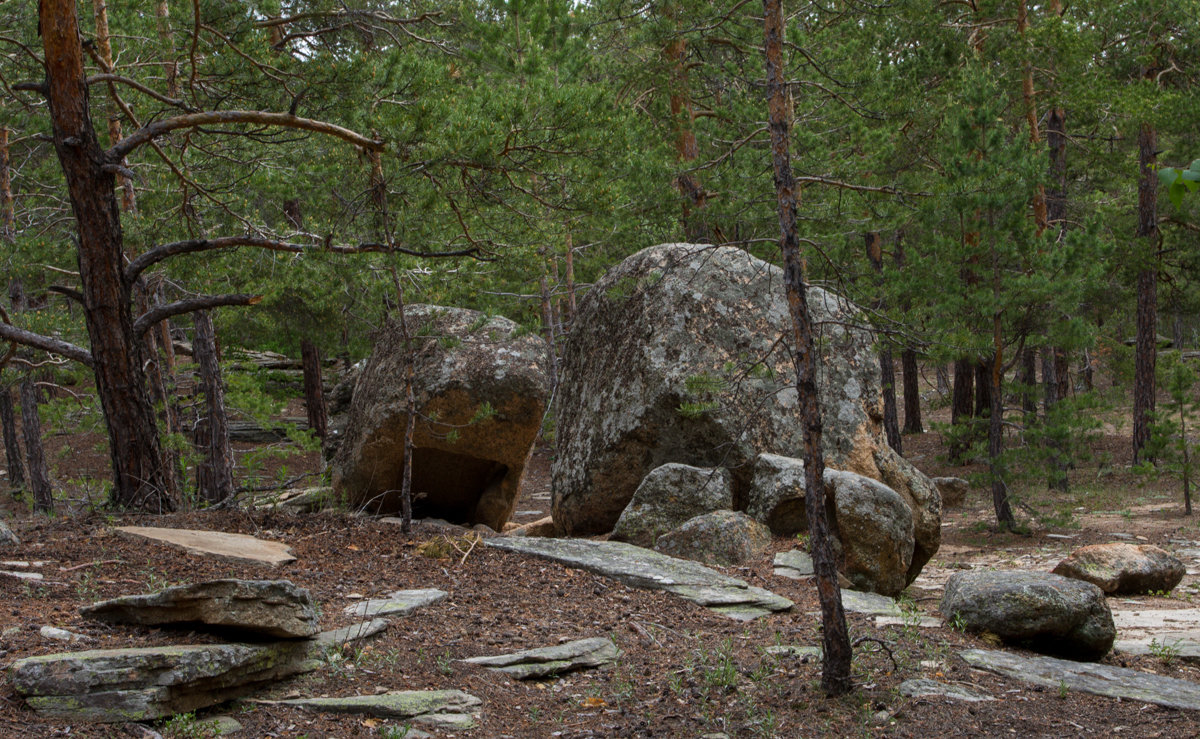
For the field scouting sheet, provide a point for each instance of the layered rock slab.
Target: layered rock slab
(1106, 680)
(270, 608)
(643, 568)
(144, 683)
(679, 354)
(445, 709)
(481, 390)
(549, 661)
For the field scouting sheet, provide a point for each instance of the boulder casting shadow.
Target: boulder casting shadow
(480, 389)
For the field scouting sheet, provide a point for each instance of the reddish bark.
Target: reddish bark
(139, 480)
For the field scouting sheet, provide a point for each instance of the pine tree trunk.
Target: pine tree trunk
(314, 394)
(683, 119)
(138, 475)
(887, 367)
(962, 408)
(983, 388)
(31, 427)
(1004, 514)
(214, 473)
(570, 319)
(8, 218)
(12, 448)
(1146, 347)
(912, 392)
(1029, 383)
(835, 675)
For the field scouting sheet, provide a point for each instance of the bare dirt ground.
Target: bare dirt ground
(683, 672)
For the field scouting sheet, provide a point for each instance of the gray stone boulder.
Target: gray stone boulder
(872, 525)
(874, 528)
(667, 497)
(1120, 568)
(272, 608)
(953, 490)
(680, 354)
(717, 538)
(1048, 613)
(481, 390)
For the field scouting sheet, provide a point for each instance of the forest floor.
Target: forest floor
(684, 671)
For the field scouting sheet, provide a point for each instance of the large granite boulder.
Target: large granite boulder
(1048, 613)
(481, 390)
(718, 538)
(257, 608)
(681, 354)
(667, 497)
(1120, 568)
(872, 525)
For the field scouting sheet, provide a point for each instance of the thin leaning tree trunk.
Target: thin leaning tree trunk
(835, 674)
(31, 426)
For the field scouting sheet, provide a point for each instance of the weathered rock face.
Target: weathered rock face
(717, 538)
(274, 608)
(872, 524)
(679, 354)
(667, 497)
(466, 467)
(1123, 568)
(1048, 613)
(875, 531)
(145, 683)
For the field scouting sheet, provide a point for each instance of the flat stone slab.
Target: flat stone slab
(445, 709)
(1185, 647)
(805, 653)
(398, 603)
(922, 687)
(145, 683)
(234, 547)
(53, 632)
(550, 661)
(351, 633)
(794, 564)
(1113, 682)
(273, 608)
(643, 568)
(870, 604)
(924, 622)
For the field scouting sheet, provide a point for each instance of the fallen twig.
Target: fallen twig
(90, 564)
